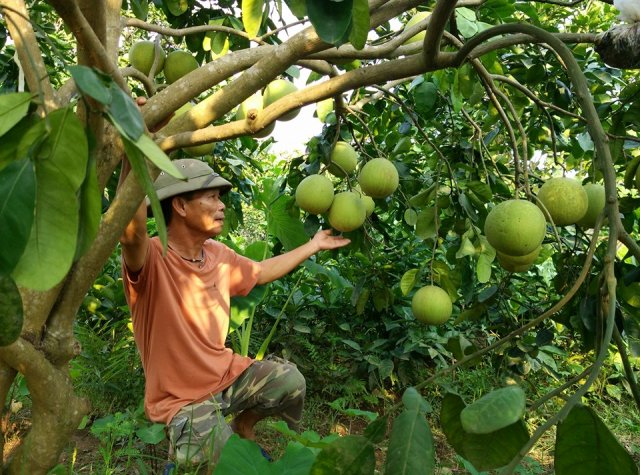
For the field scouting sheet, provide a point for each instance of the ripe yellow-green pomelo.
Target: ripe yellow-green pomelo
(347, 212)
(518, 263)
(178, 64)
(414, 20)
(565, 200)
(275, 91)
(596, 201)
(431, 305)
(515, 227)
(369, 204)
(314, 194)
(142, 54)
(378, 178)
(254, 102)
(344, 159)
(324, 108)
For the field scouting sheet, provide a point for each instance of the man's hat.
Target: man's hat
(200, 176)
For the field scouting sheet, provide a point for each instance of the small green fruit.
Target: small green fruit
(324, 108)
(564, 199)
(431, 305)
(142, 54)
(275, 91)
(515, 227)
(178, 64)
(414, 20)
(369, 204)
(518, 263)
(378, 178)
(347, 212)
(314, 194)
(596, 200)
(344, 159)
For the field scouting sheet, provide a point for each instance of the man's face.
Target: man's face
(205, 212)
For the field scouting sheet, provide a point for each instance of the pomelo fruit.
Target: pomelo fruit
(275, 91)
(177, 64)
(196, 150)
(344, 159)
(347, 212)
(431, 305)
(518, 263)
(369, 204)
(142, 54)
(515, 227)
(256, 102)
(564, 199)
(324, 108)
(314, 194)
(378, 178)
(596, 200)
(414, 20)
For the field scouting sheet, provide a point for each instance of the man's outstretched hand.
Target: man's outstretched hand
(324, 239)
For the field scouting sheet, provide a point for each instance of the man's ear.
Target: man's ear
(178, 205)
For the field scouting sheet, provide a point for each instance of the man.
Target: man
(180, 310)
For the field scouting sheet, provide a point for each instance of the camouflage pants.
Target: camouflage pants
(272, 387)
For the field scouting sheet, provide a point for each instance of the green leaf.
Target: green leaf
(152, 434)
(298, 8)
(155, 154)
(66, 148)
(332, 20)
(586, 446)
(241, 456)
(287, 228)
(176, 7)
(140, 9)
(495, 410)
(90, 210)
(484, 451)
(297, 460)
(411, 442)
(408, 281)
(425, 96)
(349, 455)
(484, 268)
(377, 429)
(13, 107)
(242, 307)
(92, 84)
(426, 223)
(467, 23)
(17, 204)
(52, 242)
(11, 311)
(124, 112)
(359, 24)
(252, 16)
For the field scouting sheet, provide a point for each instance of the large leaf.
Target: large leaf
(349, 455)
(17, 204)
(425, 96)
(411, 448)
(123, 111)
(359, 24)
(332, 20)
(66, 149)
(90, 210)
(284, 225)
(484, 451)
(241, 456)
(52, 243)
(585, 446)
(426, 223)
(13, 107)
(495, 410)
(244, 306)
(298, 8)
(252, 16)
(91, 83)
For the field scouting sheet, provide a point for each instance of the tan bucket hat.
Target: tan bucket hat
(200, 176)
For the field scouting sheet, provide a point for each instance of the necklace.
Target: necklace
(200, 260)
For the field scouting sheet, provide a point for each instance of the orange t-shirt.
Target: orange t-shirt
(180, 317)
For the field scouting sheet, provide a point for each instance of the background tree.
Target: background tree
(495, 98)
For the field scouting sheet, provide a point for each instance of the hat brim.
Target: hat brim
(205, 182)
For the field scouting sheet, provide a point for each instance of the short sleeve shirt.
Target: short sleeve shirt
(180, 315)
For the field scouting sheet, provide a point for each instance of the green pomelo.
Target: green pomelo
(344, 159)
(494, 411)
(596, 201)
(515, 227)
(178, 64)
(564, 200)
(254, 102)
(369, 204)
(518, 263)
(142, 54)
(378, 178)
(347, 212)
(314, 194)
(324, 108)
(414, 20)
(431, 305)
(275, 91)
